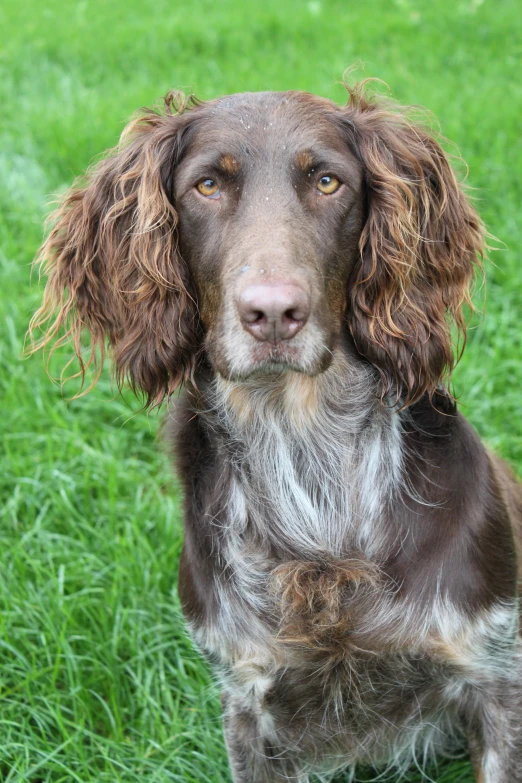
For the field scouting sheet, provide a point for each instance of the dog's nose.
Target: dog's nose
(274, 311)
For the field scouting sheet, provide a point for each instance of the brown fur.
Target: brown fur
(304, 160)
(114, 270)
(316, 600)
(419, 248)
(113, 267)
(229, 165)
(389, 616)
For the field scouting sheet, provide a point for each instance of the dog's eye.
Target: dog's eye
(328, 185)
(208, 188)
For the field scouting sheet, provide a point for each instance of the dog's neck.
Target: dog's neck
(324, 453)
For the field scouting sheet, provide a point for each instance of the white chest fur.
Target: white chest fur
(316, 459)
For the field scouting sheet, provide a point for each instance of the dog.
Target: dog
(350, 553)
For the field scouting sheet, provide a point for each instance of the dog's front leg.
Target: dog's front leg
(254, 752)
(496, 739)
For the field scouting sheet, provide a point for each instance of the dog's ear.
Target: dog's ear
(114, 271)
(418, 250)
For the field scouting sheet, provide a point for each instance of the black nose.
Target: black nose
(273, 311)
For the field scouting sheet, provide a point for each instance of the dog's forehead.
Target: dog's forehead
(275, 103)
(266, 120)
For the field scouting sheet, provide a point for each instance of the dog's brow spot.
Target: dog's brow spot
(304, 160)
(229, 164)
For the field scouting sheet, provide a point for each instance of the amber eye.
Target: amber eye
(328, 185)
(208, 188)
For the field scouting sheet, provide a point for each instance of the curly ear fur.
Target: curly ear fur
(419, 247)
(113, 265)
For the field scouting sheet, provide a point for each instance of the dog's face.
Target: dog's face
(256, 230)
(270, 210)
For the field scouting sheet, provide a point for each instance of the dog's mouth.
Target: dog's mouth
(274, 358)
(278, 352)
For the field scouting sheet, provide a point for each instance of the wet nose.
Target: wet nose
(274, 311)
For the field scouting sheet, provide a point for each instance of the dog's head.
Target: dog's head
(256, 229)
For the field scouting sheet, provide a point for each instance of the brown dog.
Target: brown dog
(350, 559)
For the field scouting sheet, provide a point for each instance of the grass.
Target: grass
(98, 681)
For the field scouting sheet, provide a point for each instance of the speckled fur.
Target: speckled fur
(326, 660)
(351, 552)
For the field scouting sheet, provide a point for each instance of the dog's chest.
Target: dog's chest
(322, 643)
(302, 602)
(320, 489)
(302, 523)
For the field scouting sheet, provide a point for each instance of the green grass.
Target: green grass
(98, 681)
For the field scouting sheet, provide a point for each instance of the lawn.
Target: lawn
(98, 681)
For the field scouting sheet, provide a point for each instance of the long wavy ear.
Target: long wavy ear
(113, 266)
(418, 250)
